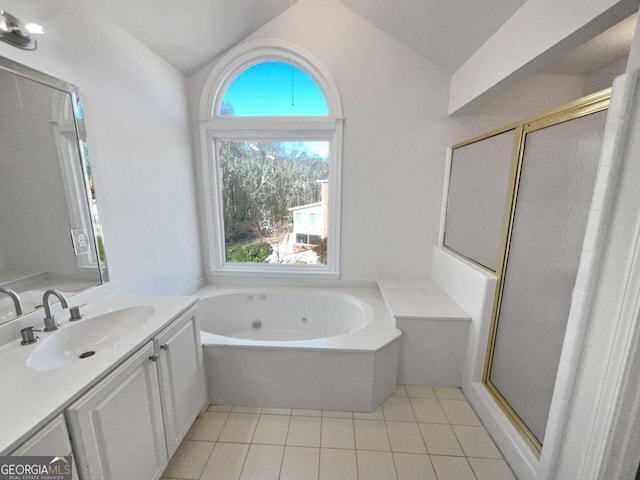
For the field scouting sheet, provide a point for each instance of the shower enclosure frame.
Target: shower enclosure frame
(584, 106)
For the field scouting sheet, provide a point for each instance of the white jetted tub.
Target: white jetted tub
(295, 347)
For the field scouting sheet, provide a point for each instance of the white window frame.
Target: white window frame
(214, 128)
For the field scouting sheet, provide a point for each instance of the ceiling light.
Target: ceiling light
(14, 32)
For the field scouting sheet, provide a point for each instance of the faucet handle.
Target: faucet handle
(28, 336)
(74, 313)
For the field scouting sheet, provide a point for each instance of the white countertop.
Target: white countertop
(29, 398)
(419, 299)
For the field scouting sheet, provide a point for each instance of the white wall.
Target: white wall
(526, 98)
(538, 32)
(396, 133)
(394, 102)
(139, 140)
(604, 77)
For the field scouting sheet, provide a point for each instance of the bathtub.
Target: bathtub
(298, 347)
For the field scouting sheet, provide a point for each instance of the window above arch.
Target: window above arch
(273, 88)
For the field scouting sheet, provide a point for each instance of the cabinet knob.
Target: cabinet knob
(164, 346)
(154, 357)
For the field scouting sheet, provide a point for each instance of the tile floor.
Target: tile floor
(420, 433)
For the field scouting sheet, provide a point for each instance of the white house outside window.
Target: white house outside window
(271, 138)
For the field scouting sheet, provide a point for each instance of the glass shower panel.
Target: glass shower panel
(553, 199)
(478, 191)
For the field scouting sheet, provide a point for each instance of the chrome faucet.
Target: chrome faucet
(50, 323)
(16, 300)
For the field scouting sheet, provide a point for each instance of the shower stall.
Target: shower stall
(517, 207)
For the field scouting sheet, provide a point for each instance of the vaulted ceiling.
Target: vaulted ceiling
(190, 33)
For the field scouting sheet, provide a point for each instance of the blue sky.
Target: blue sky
(268, 88)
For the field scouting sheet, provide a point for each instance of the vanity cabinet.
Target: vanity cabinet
(117, 426)
(130, 424)
(181, 374)
(52, 440)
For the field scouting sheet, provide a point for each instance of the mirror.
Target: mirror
(49, 228)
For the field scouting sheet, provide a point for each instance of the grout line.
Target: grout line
(207, 462)
(244, 461)
(282, 460)
(355, 445)
(284, 447)
(471, 468)
(393, 458)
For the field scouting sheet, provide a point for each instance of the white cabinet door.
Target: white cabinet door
(117, 426)
(181, 373)
(51, 440)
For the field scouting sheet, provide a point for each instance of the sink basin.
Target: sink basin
(85, 338)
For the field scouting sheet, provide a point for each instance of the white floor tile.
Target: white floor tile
(263, 462)
(398, 409)
(246, 409)
(276, 411)
(420, 391)
(449, 393)
(428, 410)
(220, 408)
(306, 413)
(401, 391)
(491, 469)
(476, 442)
(452, 468)
(420, 433)
(335, 414)
(459, 412)
(440, 439)
(304, 431)
(410, 466)
(208, 427)
(225, 462)
(189, 460)
(300, 463)
(405, 437)
(337, 433)
(375, 465)
(272, 430)
(371, 435)
(239, 428)
(375, 415)
(338, 464)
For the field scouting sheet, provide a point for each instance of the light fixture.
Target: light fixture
(16, 33)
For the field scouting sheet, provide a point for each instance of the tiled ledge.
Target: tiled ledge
(419, 300)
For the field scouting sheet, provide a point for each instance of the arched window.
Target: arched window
(271, 138)
(273, 88)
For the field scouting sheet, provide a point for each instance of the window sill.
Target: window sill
(275, 271)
